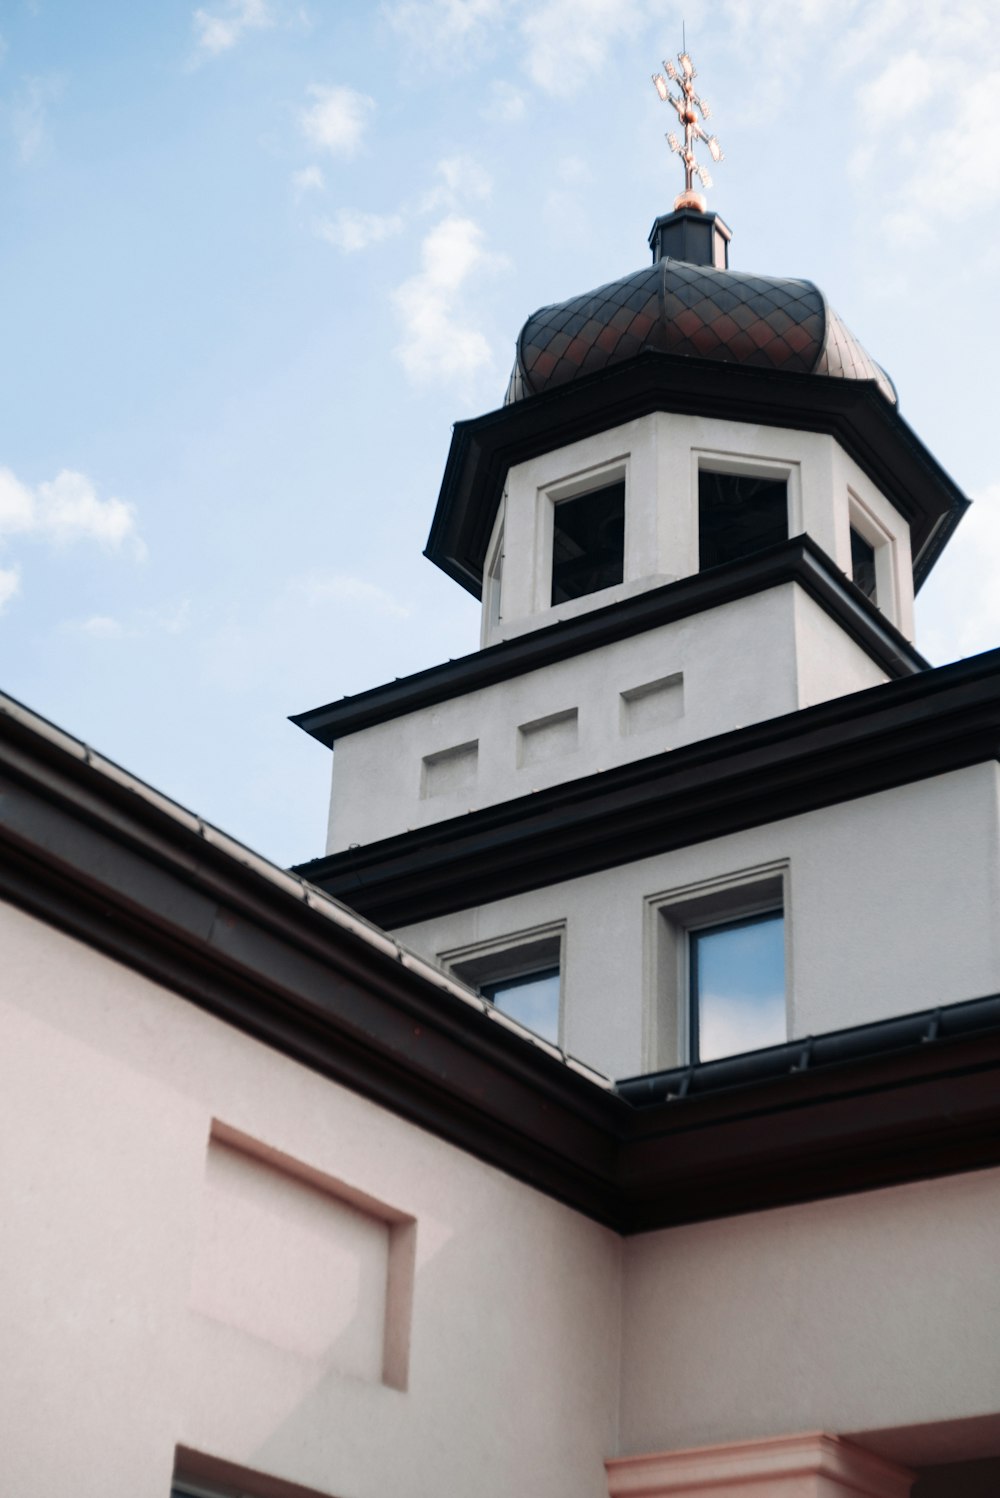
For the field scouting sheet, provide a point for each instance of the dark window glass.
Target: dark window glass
(588, 543)
(737, 986)
(863, 565)
(531, 998)
(738, 515)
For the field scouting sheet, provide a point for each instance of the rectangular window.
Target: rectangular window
(521, 975)
(737, 986)
(716, 968)
(531, 998)
(863, 565)
(588, 543)
(739, 514)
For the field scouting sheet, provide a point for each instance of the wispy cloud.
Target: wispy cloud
(568, 41)
(170, 620)
(351, 230)
(562, 42)
(459, 180)
(29, 116)
(62, 512)
(505, 103)
(959, 606)
(336, 119)
(456, 30)
(891, 55)
(10, 584)
(439, 339)
(308, 179)
(102, 627)
(219, 30)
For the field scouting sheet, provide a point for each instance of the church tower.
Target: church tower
(646, 818)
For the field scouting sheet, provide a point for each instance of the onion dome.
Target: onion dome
(690, 311)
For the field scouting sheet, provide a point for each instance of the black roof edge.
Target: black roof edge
(798, 560)
(88, 852)
(855, 412)
(828, 1048)
(920, 726)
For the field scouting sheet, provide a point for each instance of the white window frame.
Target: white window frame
(513, 955)
(670, 915)
(746, 465)
(861, 518)
(548, 496)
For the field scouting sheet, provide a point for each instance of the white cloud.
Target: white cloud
(353, 230)
(336, 120)
(959, 606)
(61, 512)
(452, 31)
(65, 510)
(170, 620)
(29, 116)
(218, 31)
(566, 41)
(505, 104)
(102, 627)
(438, 340)
(308, 179)
(10, 584)
(68, 509)
(460, 179)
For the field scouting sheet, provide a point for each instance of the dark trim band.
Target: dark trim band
(853, 411)
(86, 853)
(940, 720)
(799, 560)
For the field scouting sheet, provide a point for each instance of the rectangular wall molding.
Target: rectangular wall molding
(548, 738)
(450, 770)
(654, 704)
(300, 1260)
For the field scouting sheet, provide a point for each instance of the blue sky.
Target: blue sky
(258, 256)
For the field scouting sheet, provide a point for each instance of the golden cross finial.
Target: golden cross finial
(688, 105)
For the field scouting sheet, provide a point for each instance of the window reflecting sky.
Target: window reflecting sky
(532, 999)
(738, 984)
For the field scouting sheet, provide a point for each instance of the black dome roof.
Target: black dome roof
(690, 311)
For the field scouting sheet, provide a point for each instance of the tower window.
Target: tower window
(588, 543)
(863, 565)
(737, 986)
(739, 514)
(520, 975)
(532, 998)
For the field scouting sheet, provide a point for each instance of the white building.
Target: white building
(293, 1206)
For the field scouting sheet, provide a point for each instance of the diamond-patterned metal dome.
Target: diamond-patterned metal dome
(692, 311)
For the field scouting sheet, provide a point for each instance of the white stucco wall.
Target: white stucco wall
(849, 1315)
(659, 457)
(892, 905)
(152, 1294)
(741, 663)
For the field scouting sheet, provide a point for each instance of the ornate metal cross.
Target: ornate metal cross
(688, 105)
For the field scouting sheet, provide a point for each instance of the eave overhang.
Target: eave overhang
(940, 720)
(871, 430)
(86, 849)
(799, 561)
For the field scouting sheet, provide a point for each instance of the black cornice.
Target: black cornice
(853, 411)
(889, 735)
(86, 853)
(799, 560)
